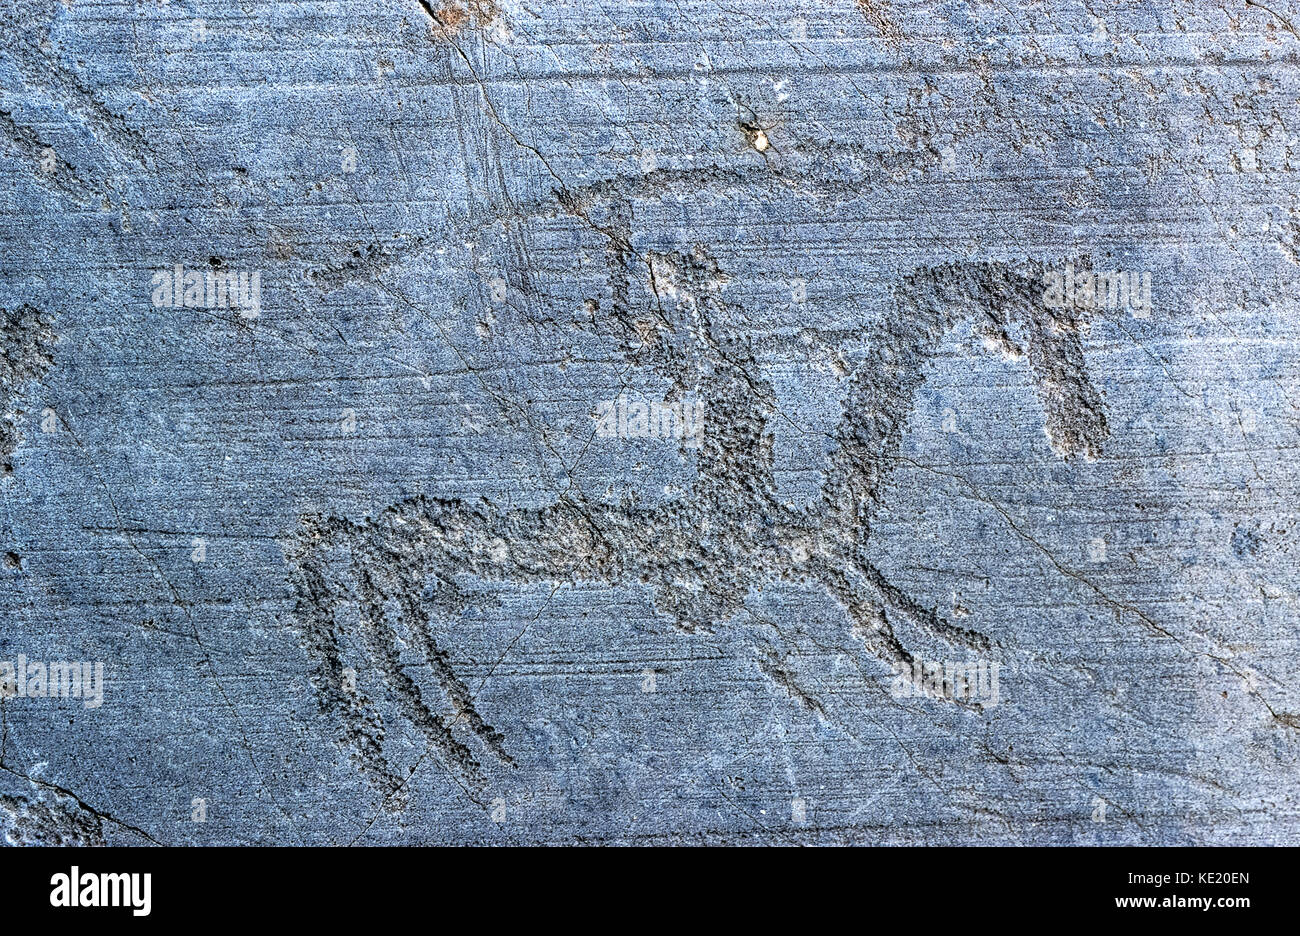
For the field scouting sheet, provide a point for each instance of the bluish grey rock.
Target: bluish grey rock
(868, 421)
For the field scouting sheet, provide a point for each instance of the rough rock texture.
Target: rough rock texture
(361, 565)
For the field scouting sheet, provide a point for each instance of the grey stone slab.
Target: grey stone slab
(366, 558)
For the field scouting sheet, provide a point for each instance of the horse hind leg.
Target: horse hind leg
(415, 614)
(382, 647)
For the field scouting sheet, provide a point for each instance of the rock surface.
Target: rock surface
(650, 422)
